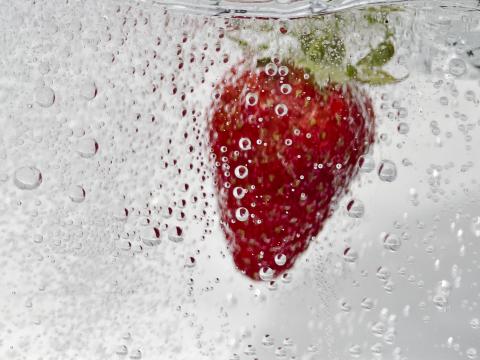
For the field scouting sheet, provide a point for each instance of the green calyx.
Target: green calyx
(325, 49)
(325, 53)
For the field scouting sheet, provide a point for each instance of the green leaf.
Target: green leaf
(376, 77)
(326, 49)
(378, 56)
(242, 43)
(351, 71)
(379, 15)
(263, 62)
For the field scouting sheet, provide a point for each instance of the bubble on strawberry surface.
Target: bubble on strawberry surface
(27, 178)
(245, 144)
(281, 110)
(271, 69)
(241, 172)
(280, 259)
(239, 192)
(283, 70)
(242, 214)
(251, 99)
(285, 89)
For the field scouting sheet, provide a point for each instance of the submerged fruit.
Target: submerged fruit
(285, 149)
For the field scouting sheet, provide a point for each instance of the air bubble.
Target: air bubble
(350, 255)
(266, 273)
(457, 67)
(285, 89)
(403, 128)
(150, 236)
(392, 242)
(241, 214)
(27, 178)
(383, 274)
(267, 341)
(355, 351)
(87, 147)
(76, 193)
(175, 234)
(281, 110)
(471, 353)
(241, 172)
(239, 193)
(283, 70)
(44, 96)
(280, 259)
(355, 209)
(366, 163)
(367, 303)
(251, 99)
(88, 90)
(245, 144)
(387, 171)
(271, 69)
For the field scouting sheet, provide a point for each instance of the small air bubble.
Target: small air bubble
(457, 67)
(387, 171)
(266, 274)
(87, 147)
(283, 70)
(392, 242)
(76, 193)
(241, 214)
(280, 259)
(251, 99)
(285, 89)
(355, 209)
(239, 192)
(245, 144)
(241, 172)
(44, 96)
(271, 69)
(27, 178)
(281, 110)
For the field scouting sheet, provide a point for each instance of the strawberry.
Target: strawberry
(285, 149)
(287, 136)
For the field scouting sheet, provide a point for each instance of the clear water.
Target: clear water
(107, 254)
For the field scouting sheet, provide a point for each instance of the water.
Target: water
(109, 224)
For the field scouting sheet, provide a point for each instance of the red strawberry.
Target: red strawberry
(284, 149)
